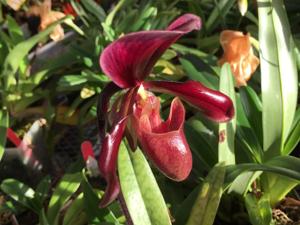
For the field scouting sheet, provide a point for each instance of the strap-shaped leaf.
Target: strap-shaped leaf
(288, 166)
(66, 187)
(259, 210)
(13, 59)
(3, 127)
(227, 130)
(95, 215)
(278, 75)
(207, 202)
(143, 198)
(21, 193)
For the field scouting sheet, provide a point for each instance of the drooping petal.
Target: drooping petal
(129, 60)
(213, 104)
(102, 107)
(185, 23)
(165, 143)
(108, 162)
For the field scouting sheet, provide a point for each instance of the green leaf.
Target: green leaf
(43, 218)
(227, 130)
(183, 212)
(246, 136)
(294, 137)
(253, 110)
(75, 215)
(288, 166)
(217, 16)
(243, 182)
(207, 202)
(41, 192)
(20, 192)
(283, 186)
(278, 75)
(194, 74)
(68, 184)
(91, 201)
(14, 30)
(203, 143)
(4, 120)
(259, 210)
(110, 17)
(94, 9)
(19, 52)
(140, 190)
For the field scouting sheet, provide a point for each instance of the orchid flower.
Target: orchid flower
(239, 54)
(128, 61)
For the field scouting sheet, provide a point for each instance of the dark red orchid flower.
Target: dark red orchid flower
(128, 61)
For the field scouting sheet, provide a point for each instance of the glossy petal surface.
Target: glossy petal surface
(108, 160)
(239, 54)
(164, 142)
(213, 104)
(130, 59)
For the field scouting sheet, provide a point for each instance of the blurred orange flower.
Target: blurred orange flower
(239, 54)
(47, 18)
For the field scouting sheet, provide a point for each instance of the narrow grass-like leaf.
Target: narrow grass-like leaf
(243, 182)
(203, 143)
(41, 192)
(3, 127)
(294, 137)
(194, 74)
(20, 192)
(183, 212)
(14, 30)
(19, 52)
(283, 186)
(259, 210)
(227, 130)
(246, 135)
(91, 201)
(207, 202)
(68, 184)
(288, 166)
(94, 9)
(253, 109)
(278, 75)
(218, 14)
(75, 215)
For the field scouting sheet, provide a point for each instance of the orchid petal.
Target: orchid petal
(186, 23)
(130, 59)
(165, 143)
(108, 162)
(213, 104)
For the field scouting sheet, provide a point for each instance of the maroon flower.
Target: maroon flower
(128, 61)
